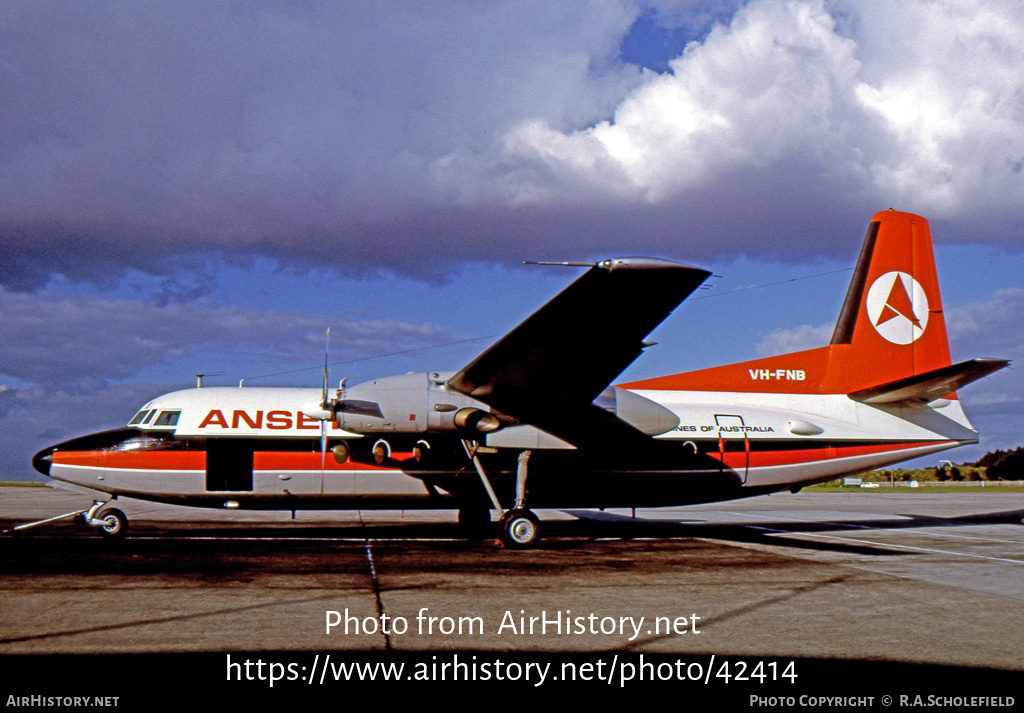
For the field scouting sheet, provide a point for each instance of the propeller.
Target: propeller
(324, 406)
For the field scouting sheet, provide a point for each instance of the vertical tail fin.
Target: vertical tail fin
(890, 328)
(891, 325)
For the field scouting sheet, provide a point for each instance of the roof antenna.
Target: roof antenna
(199, 377)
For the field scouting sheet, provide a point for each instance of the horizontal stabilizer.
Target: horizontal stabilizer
(930, 385)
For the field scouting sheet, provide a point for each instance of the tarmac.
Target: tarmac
(877, 578)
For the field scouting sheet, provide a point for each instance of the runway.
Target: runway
(935, 579)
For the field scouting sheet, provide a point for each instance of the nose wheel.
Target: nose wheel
(112, 523)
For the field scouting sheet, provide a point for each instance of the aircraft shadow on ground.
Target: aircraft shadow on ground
(558, 534)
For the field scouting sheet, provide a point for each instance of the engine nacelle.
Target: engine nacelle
(410, 404)
(389, 405)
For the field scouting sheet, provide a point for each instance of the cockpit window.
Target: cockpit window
(149, 415)
(138, 417)
(167, 418)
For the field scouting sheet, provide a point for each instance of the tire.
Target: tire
(113, 523)
(520, 529)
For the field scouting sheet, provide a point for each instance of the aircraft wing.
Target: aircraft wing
(548, 370)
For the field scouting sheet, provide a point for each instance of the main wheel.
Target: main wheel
(520, 529)
(113, 523)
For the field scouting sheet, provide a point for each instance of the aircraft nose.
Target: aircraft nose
(42, 460)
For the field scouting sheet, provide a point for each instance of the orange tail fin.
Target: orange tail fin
(891, 326)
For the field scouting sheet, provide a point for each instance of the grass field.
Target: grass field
(974, 488)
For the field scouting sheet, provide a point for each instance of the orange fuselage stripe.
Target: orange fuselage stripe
(196, 460)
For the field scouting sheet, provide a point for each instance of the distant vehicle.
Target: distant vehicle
(534, 422)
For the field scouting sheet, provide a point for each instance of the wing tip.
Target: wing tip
(645, 263)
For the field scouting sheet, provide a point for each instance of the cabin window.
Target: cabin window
(167, 418)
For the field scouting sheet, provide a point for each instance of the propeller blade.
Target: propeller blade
(327, 351)
(323, 404)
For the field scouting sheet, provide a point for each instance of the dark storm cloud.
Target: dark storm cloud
(409, 138)
(116, 339)
(135, 132)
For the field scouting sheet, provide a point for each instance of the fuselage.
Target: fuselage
(258, 448)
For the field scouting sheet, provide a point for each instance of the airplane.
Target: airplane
(535, 422)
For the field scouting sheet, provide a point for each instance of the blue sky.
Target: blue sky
(207, 187)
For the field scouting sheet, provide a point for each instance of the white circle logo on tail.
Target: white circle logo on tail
(898, 307)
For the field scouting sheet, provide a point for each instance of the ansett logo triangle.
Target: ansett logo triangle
(898, 307)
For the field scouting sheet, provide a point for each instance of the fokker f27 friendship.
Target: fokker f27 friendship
(534, 422)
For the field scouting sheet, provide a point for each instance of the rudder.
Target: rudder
(891, 325)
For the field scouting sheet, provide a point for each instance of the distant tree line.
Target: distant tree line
(994, 465)
(1003, 465)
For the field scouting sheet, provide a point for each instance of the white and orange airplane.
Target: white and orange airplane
(539, 403)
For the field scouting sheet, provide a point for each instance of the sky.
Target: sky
(206, 187)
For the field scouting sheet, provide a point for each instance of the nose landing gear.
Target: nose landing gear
(111, 522)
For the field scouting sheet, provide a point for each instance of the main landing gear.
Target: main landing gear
(520, 528)
(111, 522)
